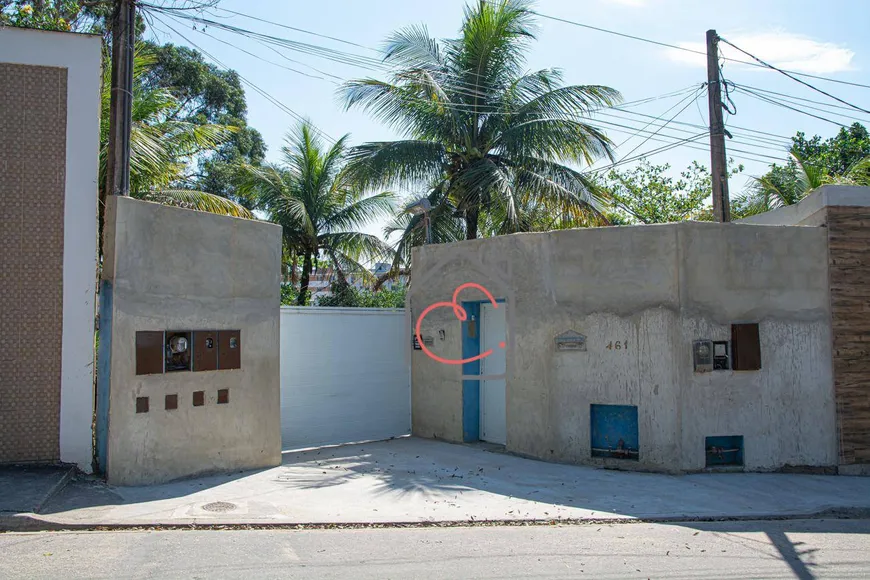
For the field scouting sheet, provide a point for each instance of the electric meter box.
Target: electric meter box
(702, 354)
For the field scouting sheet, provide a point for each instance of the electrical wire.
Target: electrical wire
(778, 143)
(793, 97)
(665, 124)
(786, 106)
(645, 154)
(664, 138)
(798, 102)
(698, 52)
(256, 88)
(789, 75)
(302, 30)
(618, 108)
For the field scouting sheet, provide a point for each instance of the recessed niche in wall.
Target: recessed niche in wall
(198, 398)
(177, 351)
(614, 431)
(724, 450)
(223, 396)
(141, 404)
(170, 402)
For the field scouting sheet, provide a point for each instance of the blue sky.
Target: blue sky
(824, 38)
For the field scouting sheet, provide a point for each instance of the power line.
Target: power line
(784, 105)
(803, 99)
(262, 92)
(263, 59)
(647, 154)
(302, 30)
(767, 138)
(665, 124)
(665, 138)
(789, 75)
(690, 50)
(799, 102)
(617, 108)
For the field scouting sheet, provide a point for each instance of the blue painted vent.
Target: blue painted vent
(614, 431)
(724, 450)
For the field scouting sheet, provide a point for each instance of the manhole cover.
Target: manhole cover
(219, 506)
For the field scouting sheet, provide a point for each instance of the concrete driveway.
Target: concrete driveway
(416, 480)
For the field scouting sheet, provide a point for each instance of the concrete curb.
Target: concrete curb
(30, 522)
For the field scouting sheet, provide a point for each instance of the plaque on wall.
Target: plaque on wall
(571, 340)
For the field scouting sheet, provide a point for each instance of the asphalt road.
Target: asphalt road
(775, 549)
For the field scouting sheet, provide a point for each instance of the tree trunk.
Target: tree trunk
(471, 223)
(306, 276)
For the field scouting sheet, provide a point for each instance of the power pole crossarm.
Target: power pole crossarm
(718, 161)
(121, 104)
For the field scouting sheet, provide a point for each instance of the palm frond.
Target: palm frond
(198, 200)
(392, 163)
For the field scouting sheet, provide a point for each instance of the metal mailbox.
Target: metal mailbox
(205, 350)
(149, 352)
(229, 349)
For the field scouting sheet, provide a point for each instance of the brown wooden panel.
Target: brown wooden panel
(223, 396)
(229, 349)
(149, 352)
(205, 350)
(141, 404)
(170, 402)
(198, 398)
(745, 347)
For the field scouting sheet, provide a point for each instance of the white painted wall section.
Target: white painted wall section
(344, 375)
(80, 55)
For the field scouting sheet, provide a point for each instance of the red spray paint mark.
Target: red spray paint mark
(460, 313)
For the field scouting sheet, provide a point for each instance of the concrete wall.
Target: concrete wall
(79, 58)
(176, 269)
(810, 210)
(344, 375)
(658, 288)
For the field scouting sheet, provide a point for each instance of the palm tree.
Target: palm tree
(489, 135)
(161, 147)
(765, 194)
(319, 207)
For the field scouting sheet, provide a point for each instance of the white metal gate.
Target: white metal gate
(344, 375)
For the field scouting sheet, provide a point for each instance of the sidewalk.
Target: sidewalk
(413, 480)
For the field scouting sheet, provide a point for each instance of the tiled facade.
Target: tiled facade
(33, 115)
(849, 271)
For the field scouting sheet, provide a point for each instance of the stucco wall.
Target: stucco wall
(78, 57)
(658, 288)
(176, 269)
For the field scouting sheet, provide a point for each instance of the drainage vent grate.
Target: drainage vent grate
(219, 506)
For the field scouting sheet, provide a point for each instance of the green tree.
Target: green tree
(771, 191)
(843, 158)
(162, 147)
(481, 135)
(646, 194)
(59, 15)
(318, 206)
(343, 294)
(206, 94)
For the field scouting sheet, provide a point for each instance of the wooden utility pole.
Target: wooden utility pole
(718, 161)
(121, 104)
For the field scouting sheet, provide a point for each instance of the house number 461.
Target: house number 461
(617, 345)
